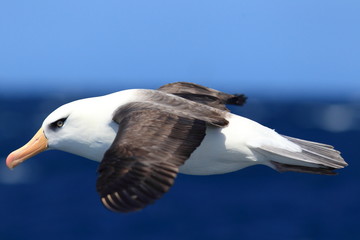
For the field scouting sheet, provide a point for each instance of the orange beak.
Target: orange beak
(36, 145)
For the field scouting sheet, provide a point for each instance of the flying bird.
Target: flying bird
(143, 138)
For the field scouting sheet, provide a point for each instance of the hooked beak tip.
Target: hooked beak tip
(36, 145)
(10, 161)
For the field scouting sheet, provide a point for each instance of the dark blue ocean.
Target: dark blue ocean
(53, 196)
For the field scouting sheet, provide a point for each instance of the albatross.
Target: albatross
(143, 138)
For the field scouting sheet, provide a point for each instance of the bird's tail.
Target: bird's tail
(314, 158)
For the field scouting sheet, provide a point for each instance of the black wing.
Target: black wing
(142, 163)
(204, 95)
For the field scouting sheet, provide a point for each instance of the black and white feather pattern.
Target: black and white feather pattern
(151, 144)
(159, 133)
(143, 138)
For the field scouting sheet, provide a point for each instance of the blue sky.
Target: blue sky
(277, 47)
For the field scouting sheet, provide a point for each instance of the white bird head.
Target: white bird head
(83, 127)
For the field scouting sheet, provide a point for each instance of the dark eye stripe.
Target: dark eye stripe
(58, 123)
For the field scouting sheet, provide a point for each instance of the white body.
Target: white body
(228, 149)
(223, 149)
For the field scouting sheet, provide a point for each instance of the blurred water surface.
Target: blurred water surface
(53, 196)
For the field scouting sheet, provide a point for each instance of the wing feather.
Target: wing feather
(204, 95)
(152, 142)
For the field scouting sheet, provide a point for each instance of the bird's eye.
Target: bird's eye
(58, 124)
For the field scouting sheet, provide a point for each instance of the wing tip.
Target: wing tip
(237, 99)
